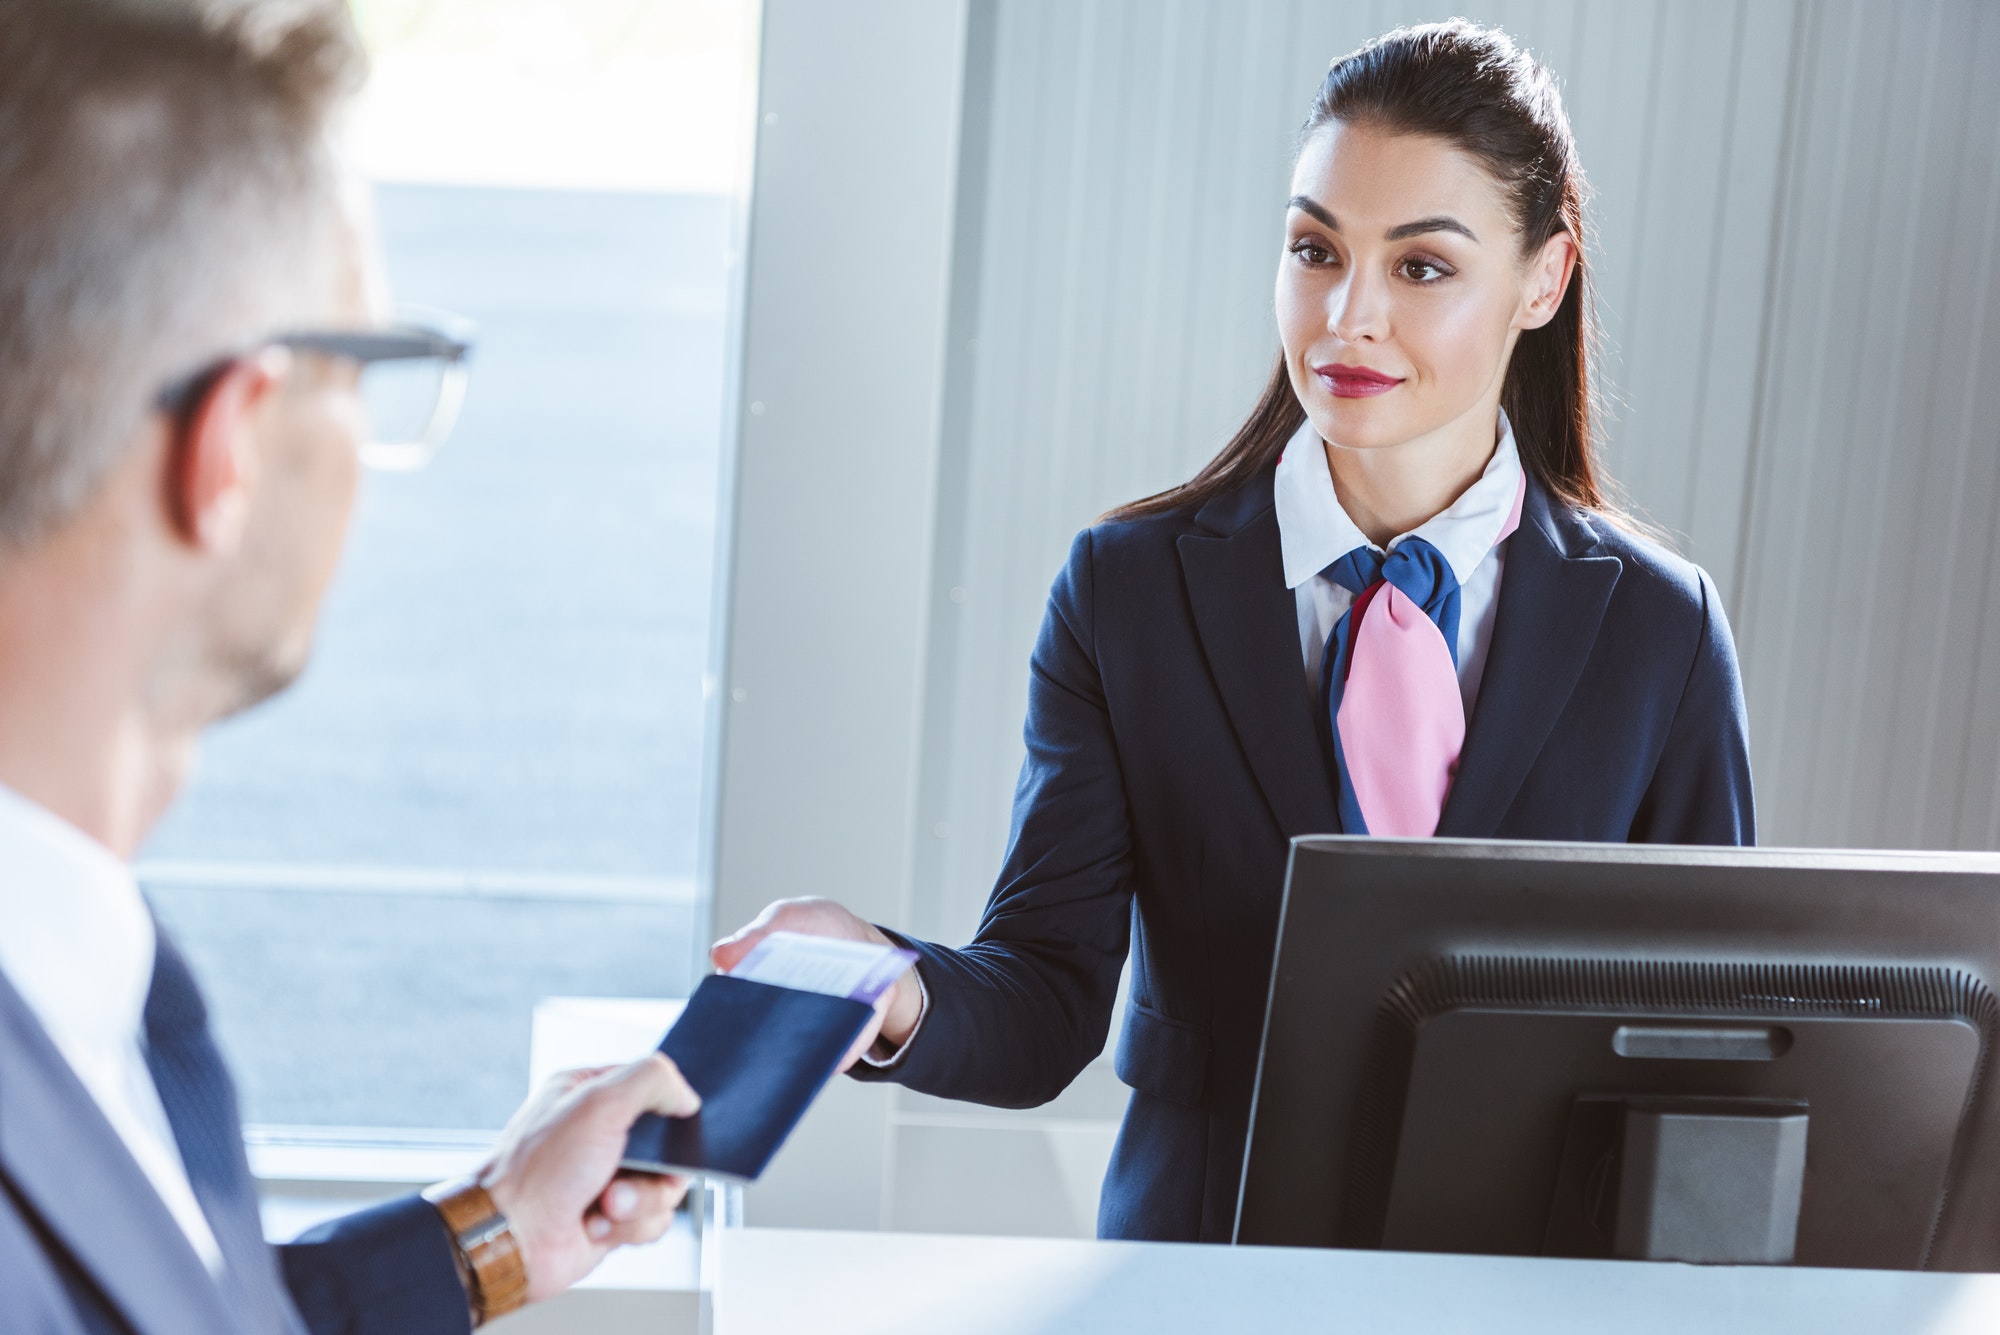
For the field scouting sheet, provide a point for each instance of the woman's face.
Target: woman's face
(1402, 287)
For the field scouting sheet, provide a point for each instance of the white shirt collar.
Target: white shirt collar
(1314, 531)
(78, 942)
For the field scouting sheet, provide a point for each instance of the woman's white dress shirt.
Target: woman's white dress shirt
(76, 941)
(1314, 532)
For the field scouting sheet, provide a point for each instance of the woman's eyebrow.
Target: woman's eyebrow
(1306, 205)
(1438, 223)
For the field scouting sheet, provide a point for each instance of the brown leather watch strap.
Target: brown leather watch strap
(489, 1254)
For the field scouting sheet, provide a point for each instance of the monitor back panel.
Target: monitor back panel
(1451, 961)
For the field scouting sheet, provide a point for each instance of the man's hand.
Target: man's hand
(555, 1174)
(896, 1010)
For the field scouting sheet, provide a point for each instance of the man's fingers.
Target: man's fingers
(619, 1201)
(652, 1084)
(550, 1093)
(653, 1214)
(639, 1232)
(637, 1197)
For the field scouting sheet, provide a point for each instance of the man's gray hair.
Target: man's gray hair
(165, 195)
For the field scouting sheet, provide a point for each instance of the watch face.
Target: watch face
(483, 1232)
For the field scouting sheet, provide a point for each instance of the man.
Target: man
(182, 278)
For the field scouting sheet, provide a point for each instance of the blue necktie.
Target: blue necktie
(200, 1103)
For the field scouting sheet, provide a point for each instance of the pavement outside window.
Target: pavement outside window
(408, 1009)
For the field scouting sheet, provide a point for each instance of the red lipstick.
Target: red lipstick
(1355, 382)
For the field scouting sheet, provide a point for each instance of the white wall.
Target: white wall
(1796, 211)
(1868, 608)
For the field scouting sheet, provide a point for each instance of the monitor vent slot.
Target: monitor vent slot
(1698, 986)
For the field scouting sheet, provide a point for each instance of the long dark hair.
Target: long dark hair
(1473, 88)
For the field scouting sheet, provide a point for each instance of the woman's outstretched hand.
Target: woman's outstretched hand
(896, 1011)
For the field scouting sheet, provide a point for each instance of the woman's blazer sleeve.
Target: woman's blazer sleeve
(1700, 791)
(1014, 1016)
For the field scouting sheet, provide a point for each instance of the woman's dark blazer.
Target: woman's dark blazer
(1173, 752)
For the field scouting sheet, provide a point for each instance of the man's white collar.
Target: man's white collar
(78, 943)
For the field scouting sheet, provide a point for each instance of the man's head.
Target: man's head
(168, 201)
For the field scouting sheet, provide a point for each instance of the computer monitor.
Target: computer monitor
(1702, 1054)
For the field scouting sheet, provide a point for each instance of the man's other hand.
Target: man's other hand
(555, 1174)
(896, 1011)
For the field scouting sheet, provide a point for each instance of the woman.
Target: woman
(1398, 602)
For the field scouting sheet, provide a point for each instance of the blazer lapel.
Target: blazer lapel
(1552, 599)
(1249, 628)
(72, 1170)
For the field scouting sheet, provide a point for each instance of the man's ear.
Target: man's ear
(1549, 275)
(211, 467)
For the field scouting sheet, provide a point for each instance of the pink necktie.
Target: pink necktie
(1391, 685)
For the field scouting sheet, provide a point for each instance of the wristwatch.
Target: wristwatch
(483, 1243)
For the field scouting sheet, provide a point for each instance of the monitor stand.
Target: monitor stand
(1715, 1181)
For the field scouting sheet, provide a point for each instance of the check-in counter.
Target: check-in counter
(760, 1281)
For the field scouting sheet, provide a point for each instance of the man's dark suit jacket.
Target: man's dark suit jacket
(86, 1246)
(1172, 754)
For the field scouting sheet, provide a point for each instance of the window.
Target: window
(485, 790)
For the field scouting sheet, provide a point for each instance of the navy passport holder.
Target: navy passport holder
(758, 1055)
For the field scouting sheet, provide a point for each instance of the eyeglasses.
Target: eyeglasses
(412, 383)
